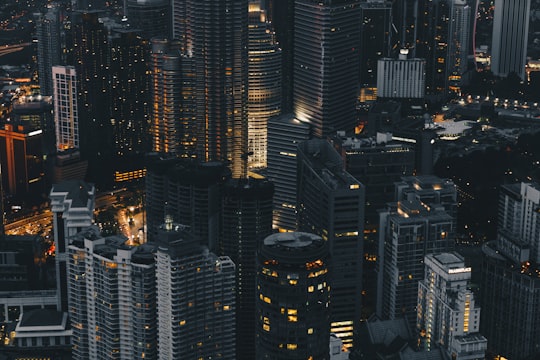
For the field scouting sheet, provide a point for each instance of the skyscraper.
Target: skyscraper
(264, 85)
(195, 298)
(129, 102)
(151, 17)
(214, 33)
(326, 64)
(173, 127)
(246, 221)
(402, 78)
(49, 47)
(510, 283)
(409, 230)
(510, 34)
(293, 297)
(66, 116)
(448, 315)
(375, 37)
(72, 204)
(92, 65)
(459, 46)
(284, 134)
(112, 297)
(331, 205)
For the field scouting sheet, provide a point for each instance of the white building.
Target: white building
(447, 313)
(66, 117)
(112, 297)
(195, 299)
(510, 33)
(72, 204)
(401, 78)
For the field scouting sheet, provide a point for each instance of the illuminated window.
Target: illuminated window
(310, 331)
(311, 288)
(266, 327)
(292, 346)
(292, 318)
(182, 322)
(292, 312)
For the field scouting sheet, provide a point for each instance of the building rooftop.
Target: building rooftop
(449, 258)
(41, 317)
(77, 191)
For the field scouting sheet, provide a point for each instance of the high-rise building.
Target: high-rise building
(510, 34)
(112, 297)
(72, 204)
(150, 17)
(129, 102)
(246, 222)
(173, 127)
(377, 162)
(92, 68)
(284, 134)
(448, 315)
(21, 156)
(409, 230)
(49, 46)
(406, 22)
(326, 64)
(510, 285)
(195, 298)
(401, 78)
(331, 205)
(214, 34)
(190, 192)
(375, 37)
(36, 111)
(264, 84)
(293, 297)
(459, 45)
(66, 116)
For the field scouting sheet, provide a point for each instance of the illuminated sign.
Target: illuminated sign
(459, 270)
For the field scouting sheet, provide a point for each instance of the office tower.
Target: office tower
(2, 228)
(36, 111)
(112, 297)
(510, 283)
(409, 230)
(375, 32)
(264, 84)
(510, 34)
(72, 204)
(92, 68)
(66, 116)
(150, 17)
(331, 205)
(326, 64)
(49, 46)
(190, 192)
(401, 78)
(214, 33)
(129, 102)
(459, 45)
(405, 24)
(430, 190)
(377, 162)
(284, 134)
(293, 300)
(246, 221)
(281, 15)
(21, 156)
(195, 298)
(173, 126)
(448, 315)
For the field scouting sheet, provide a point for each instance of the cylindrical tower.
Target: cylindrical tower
(293, 297)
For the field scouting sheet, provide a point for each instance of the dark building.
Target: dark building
(129, 102)
(247, 220)
(49, 45)
(37, 112)
(151, 18)
(21, 156)
(375, 32)
(188, 191)
(94, 98)
(293, 297)
(331, 205)
(326, 64)
(377, 162)
(510, 284)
